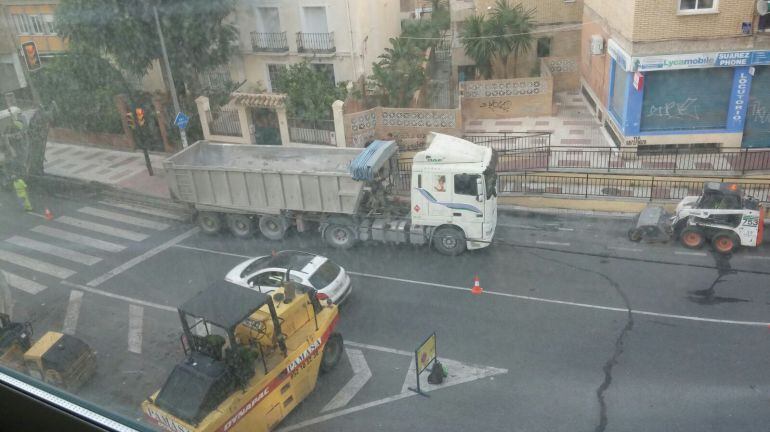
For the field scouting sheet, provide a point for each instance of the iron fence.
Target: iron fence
(505, 141)
(312, 131)
(224, 121)
(315, 42)
(269, 42)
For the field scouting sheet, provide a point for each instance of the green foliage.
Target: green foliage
(81, 88)
(398, 74)
(478, 44)
(425, 33)
(310, 91)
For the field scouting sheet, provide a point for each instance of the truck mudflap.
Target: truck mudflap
(652, 224)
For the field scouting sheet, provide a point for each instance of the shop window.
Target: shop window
(686, 99)
(619, 92)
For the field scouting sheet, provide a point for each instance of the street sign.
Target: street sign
(181, 120)
(423, 356)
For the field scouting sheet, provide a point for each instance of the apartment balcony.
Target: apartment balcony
(315, 43)
(269, 42)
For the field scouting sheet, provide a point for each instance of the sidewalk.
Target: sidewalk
(120, 169)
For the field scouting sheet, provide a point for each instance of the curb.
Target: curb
(560, 211)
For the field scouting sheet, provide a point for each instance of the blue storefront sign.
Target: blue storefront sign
(739, 100)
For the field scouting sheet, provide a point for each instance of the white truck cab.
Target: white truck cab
(454, 188)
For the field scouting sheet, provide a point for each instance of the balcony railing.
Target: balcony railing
(315, 42)
(269, 42)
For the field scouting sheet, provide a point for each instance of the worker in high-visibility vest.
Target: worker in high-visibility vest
(20, 186)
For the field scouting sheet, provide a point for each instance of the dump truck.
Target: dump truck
(721, 214)
(58, 359)
(347, 192)
(251, 358)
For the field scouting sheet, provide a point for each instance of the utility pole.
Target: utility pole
(177, 108)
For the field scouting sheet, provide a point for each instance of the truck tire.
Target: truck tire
(692, 237)
(339, 236)
(724, 242)
(449, 241)
(332, 352)
(210, 222)
(273, 227)
(635, 235)
(240, 225)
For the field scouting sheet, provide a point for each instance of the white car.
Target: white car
(266, 273)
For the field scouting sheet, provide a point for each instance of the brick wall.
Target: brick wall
(408, 126)
(617, 13)
(521, 97)
(594, 69)
(546, 11)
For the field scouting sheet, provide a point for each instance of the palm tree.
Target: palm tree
(513, 25)
(479, 43)
(399, 74)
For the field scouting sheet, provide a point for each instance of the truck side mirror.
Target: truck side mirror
(479, 190)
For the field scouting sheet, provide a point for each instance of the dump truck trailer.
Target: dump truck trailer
(347, 192)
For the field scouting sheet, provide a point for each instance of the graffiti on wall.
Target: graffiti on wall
(496, 105)
(685, 109)
(758, 113)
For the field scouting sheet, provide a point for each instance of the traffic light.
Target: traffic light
(130, 120)
(140, 117)
(31, 56)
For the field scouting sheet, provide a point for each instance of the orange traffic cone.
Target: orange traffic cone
(48, 215)
(476, 290)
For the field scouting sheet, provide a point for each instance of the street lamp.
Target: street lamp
(175, 100)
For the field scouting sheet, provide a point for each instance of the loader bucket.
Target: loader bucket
(652, 225)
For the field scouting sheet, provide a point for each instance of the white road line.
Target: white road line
(73, 312)
(526, 227)
(124, 218)
(23, 284)
(212, 251)
(566, 229)
(77, 238)
(135, 319)
(143, 257)
(702, 254)
(552, 243)
(120, 297)
(54, 250)
(103, 229)
(625, 249)
(145, 210)
(36, 265)
(379, 348)
(759, 257)
(361, 374)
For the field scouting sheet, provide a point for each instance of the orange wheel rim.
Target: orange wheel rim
(724, 244)
(692, 239)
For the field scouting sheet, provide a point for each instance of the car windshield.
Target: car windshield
(326, 274)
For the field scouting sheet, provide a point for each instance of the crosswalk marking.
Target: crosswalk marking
(37, 265)
(103, 229)
(124, 218)
(135, 319)
(77, 238)
(23, 284)
(145, 210)
(73, 312)
(54, 250)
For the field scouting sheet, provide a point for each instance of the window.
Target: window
(325, 275)
(21, 23)
(763, 24)
(49, 24)
(697, 6)
(619, 92)
(544, 47)
(37, 24)
(466, 184)
(274, 72)
(269, 20)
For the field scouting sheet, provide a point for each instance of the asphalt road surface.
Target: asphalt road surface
(578, 329)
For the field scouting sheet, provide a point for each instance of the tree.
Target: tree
(399, 73)
(311, 91)
(195, 31)
(478, 43)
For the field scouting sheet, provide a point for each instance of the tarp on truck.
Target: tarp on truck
(365, 166)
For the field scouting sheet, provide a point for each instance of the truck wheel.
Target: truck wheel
(692, 237)
(339, 236)
(724, 243)
(209, 222)
(449, 241)
(273, 227)
(241, 225)
(332, 352)
(634, 235)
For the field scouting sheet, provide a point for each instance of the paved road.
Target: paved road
(578, 329)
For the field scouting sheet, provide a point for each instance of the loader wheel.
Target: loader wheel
(273, 227)
(339, 236)
(634, 235)
(692, 238)
(332, 352)
(724, 243)
(241, 225)
(209, 222)
(449, 241)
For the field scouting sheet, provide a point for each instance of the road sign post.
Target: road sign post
(424, 355)
(181, 120)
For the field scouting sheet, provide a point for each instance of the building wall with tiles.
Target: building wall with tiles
(545, 11)
(656, 20)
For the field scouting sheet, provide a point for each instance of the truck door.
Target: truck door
(467, 210)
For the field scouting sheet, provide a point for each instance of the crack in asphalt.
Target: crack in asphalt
(619, 341)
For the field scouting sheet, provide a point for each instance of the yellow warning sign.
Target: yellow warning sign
(426, 353)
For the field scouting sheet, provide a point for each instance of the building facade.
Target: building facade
(340, 37)
(678, 74)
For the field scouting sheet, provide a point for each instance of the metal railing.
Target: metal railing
(312, 131)
(512, 140)
(269, 42)
(315, 42)
(224, 122)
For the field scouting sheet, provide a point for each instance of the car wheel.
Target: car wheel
(240, 225)
(724, 243)
(634, 235)
(692, 237)
(209, 222)
(273, 227)
(332, 352)
(339, 236)
(449, 241)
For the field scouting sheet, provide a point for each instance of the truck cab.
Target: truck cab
(454, 190)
